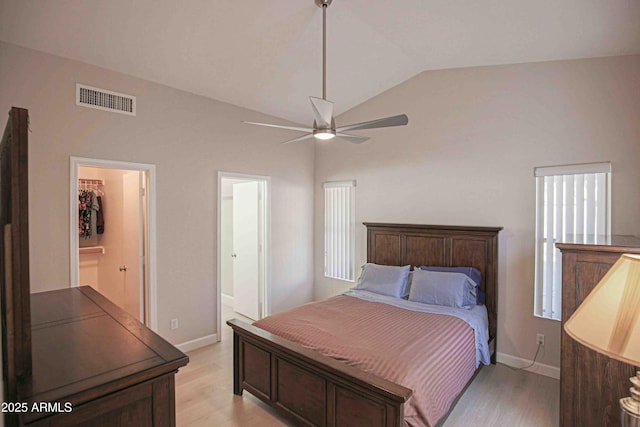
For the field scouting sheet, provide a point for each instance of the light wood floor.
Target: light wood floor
(498, 396)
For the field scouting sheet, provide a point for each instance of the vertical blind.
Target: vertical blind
(573, 205)
(339, 230)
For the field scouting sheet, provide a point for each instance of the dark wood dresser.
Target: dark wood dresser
(70, 357)
(95, 361)
(591, 383)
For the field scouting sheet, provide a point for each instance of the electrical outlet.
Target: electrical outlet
(174, 324)
(540, 339)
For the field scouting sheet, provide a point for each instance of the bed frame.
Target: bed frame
(316, 390)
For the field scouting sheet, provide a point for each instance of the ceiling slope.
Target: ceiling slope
(266, 56)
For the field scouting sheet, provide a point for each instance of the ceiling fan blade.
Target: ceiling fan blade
(356, 139)
(300, 138)
(280, 126)
(399, 120)
(323, 111)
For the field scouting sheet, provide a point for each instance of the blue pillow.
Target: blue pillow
(384, 279)
(473, 273)
(443, 288)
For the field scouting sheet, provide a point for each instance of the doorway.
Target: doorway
(243, 249)
(113, 233)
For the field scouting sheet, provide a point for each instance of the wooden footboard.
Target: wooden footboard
(311, 388)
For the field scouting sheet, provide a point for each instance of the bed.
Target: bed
(294, 372)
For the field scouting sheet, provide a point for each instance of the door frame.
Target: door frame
(265, 287)
(150, 277)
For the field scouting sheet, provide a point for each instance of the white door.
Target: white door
(133, 283)
(246, 249)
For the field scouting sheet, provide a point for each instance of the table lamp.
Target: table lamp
(608, 321)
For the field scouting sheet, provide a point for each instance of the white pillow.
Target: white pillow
(384, 279)
(440, 288)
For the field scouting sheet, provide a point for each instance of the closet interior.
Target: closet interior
(111, 235)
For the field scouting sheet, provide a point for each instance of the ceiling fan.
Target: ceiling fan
(324, 127)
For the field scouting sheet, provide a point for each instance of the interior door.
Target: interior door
(246, 249)
(132, 244)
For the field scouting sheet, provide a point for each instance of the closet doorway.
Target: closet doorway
(113, 233)
(243, 249)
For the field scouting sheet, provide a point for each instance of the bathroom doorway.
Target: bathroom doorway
(243, 248)
(112, 241)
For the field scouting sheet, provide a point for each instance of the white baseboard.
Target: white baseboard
(197, 343)
(537, 368)
(227, 300)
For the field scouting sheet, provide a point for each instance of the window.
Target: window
(339, 230)
(573, 204)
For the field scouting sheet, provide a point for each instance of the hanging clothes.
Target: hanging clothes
(93, 214)
(100, 217)
(84, 213)
(88, 209)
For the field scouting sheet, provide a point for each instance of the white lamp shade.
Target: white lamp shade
(608, 320)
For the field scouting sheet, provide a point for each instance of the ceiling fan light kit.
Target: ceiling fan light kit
(324, 134)
(324, 127)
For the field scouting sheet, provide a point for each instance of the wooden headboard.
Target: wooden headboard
(441, 245)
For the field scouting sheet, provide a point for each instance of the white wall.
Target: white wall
(226, 236)
(467, 158)
(226, 246)
(189, 138)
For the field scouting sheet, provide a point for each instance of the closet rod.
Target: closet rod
(91, 181)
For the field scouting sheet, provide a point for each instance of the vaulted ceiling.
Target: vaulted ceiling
(267, 56)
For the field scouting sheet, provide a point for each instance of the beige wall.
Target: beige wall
(189, 138)
(467, 157)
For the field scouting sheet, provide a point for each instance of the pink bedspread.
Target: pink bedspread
(431, 354)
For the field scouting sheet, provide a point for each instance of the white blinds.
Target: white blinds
(570, 201)
(339, 229)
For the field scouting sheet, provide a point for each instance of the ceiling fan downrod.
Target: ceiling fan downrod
(324, 126)
(324, 4)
